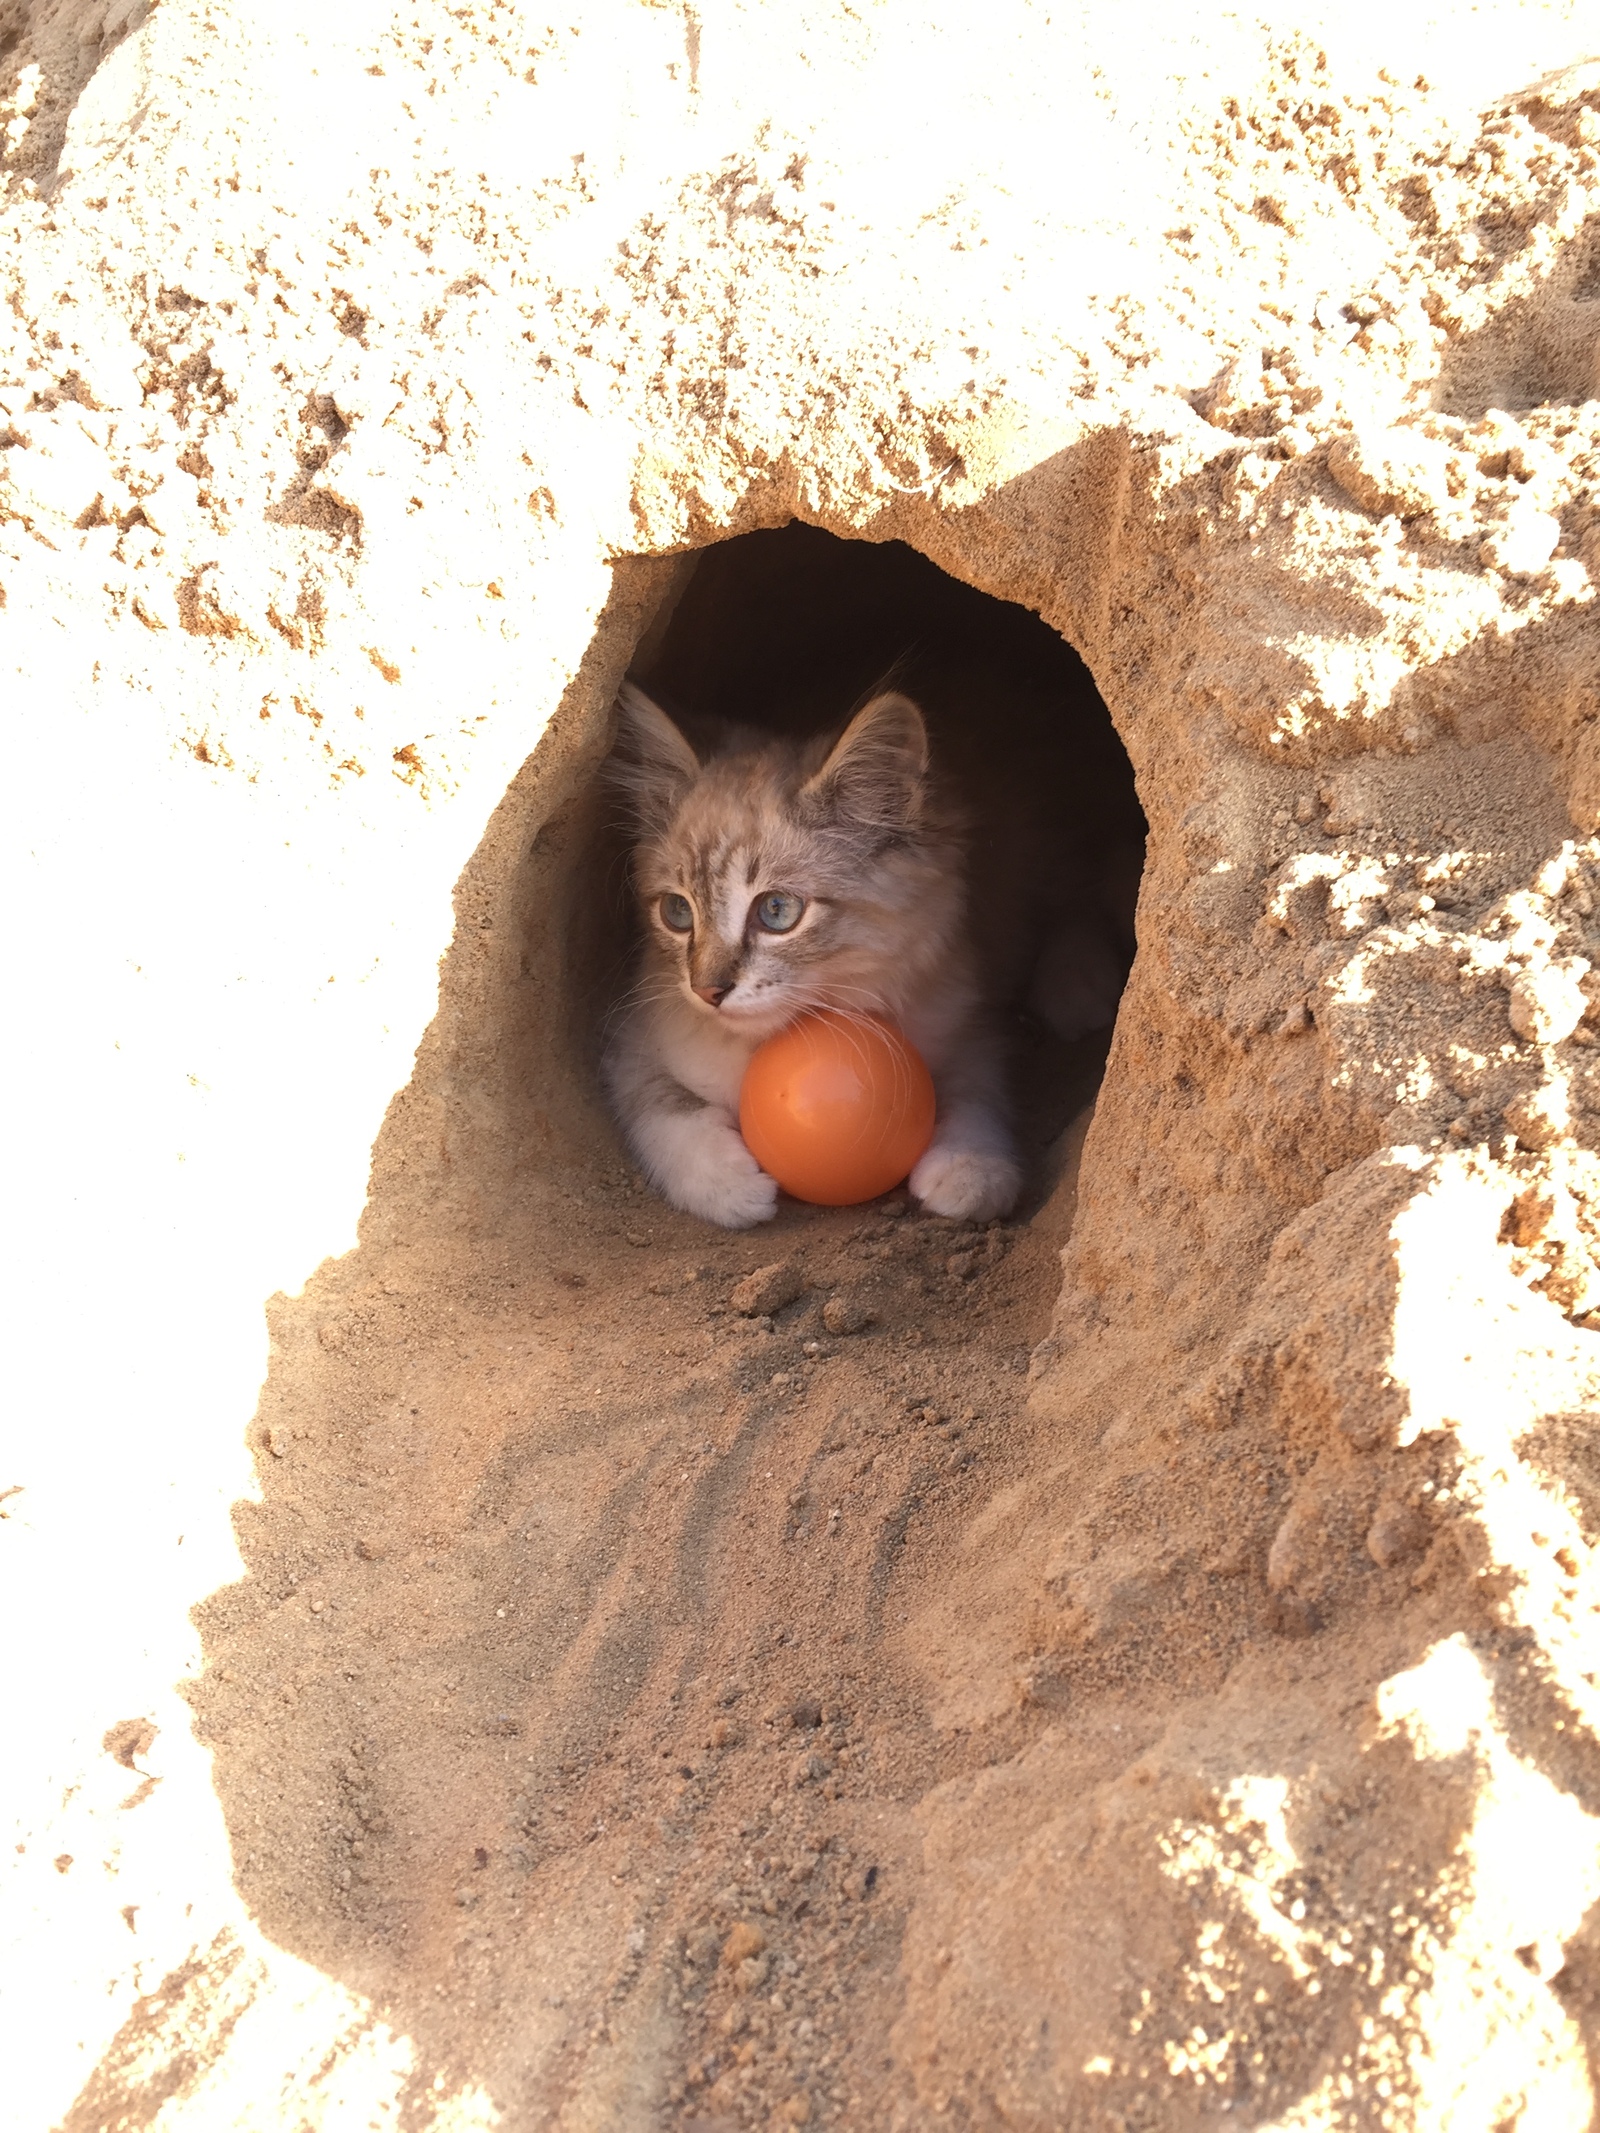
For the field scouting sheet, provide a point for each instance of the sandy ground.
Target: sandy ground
(446, 1696)
(567, 1711)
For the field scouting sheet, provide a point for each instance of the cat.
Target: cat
(775, 876)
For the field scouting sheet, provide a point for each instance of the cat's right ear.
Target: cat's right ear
(655, 765)
(878, 768)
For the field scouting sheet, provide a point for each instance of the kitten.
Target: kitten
(777, 876)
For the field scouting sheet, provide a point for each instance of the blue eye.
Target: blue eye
(780, 912)
(678, 913)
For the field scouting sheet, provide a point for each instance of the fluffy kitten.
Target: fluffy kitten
(778, 876)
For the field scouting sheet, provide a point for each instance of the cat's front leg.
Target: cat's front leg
(970, 1171)
(695, 1157)
(690, 1151)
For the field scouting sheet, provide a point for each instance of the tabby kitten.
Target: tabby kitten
(777, 876)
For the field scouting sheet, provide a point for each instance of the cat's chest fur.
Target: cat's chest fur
(707, 1058)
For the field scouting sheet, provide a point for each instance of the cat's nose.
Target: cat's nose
(713, 995)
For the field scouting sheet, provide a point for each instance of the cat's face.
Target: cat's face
(783, 877)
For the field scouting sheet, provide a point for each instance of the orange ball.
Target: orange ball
(837, 1108)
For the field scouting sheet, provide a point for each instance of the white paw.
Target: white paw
(966, 1184)
(726, 1184)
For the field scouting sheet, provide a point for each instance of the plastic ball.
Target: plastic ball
(837, 1108)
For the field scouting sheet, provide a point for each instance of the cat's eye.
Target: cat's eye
(779, 912)
(677, 912)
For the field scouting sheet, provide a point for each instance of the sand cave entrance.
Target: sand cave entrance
(577, 1600)
(786, 630)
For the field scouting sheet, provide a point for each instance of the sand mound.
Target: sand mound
(530, 1689)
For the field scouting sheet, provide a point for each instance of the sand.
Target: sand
(467, 1672)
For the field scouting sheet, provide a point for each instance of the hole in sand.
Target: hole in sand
(589, 1610)
(783, 634)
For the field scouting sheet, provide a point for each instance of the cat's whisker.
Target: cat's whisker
(651, 986)
(871, 1004)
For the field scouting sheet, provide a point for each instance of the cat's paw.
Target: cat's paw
(969, 1185)
(726, 1185)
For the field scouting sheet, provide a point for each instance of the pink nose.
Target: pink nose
(713, 995)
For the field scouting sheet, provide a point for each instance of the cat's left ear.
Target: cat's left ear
(877, 768)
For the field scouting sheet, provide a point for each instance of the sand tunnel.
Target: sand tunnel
(779, 630)
(513, 1448)
(500, 1654)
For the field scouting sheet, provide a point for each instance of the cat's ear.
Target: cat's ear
(656, 765)
(877, 768)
